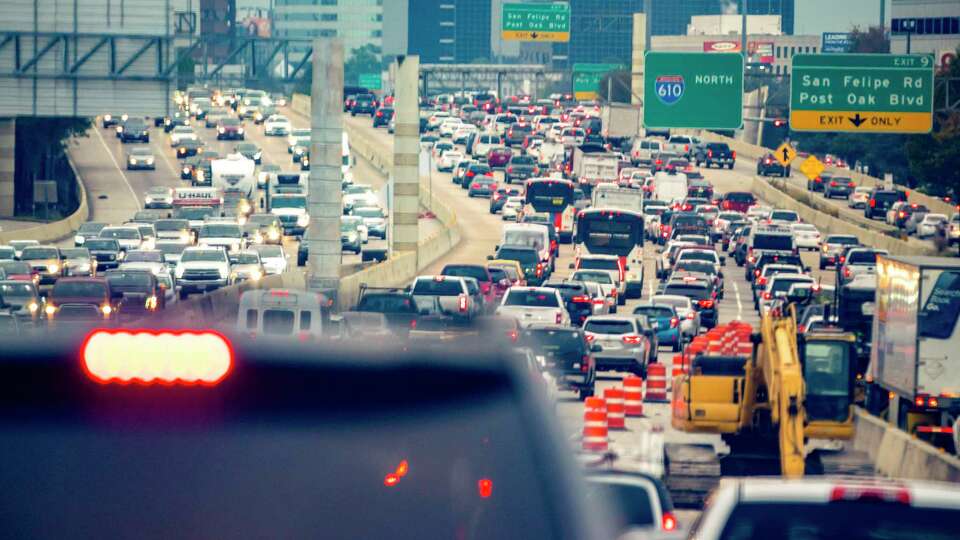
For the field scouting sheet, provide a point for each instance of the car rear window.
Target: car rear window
(784, 215)
(433, 287)
(781, 242)
(693, 292)
(740, 197)
(889, 196)
(278, 322)
(554, 341)
(608, 327)
(386, 303)
(862, 257)
(599, 264)
(523, 256)
(531, 299)
(476, 272)
(631, 502)
(783, 284)
(654, 311)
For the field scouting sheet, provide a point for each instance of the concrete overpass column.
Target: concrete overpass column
(326, 139)
(8, 144)
(406, 157)
(639, 48)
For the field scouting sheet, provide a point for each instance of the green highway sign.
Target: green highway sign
(536, 22)
(862, 93)
(587, 77)
(693, 90)
(370, 81)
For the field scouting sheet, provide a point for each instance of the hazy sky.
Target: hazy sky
(816, 16)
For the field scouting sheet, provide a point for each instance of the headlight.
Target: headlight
(106, 309)
(107, 117)
(50, 310)
(298, 150)
(186, 170)
(256, 275)
(220, 130)
(200, 175)
(33, 307)
(178, 273)
(151, 303)
(258, 238)
(245, 207)
(119, 129)
(150, 160)
(185, 237)
(273, 234)
(83, 268)
(132, 160)
(303, 220)
(78, 239)
(257, 155)
(224, 273)
(240, 131)
(54, 268)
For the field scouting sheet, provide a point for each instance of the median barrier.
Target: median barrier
(829, 224)
(897, 454)
(55, 230)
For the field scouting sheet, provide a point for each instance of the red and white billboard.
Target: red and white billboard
(758, 52)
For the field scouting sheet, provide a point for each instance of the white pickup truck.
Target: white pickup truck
(534, 305)
(448, 293)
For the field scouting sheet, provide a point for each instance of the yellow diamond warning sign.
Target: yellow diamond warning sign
(812, 167)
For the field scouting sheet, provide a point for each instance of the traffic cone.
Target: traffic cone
(633, 396)
(595, 425)
(656, 383)
(616, 410)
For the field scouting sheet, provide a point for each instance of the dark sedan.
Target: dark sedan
(520, 168)
(482, 186)
(769, 166)
(134, 130)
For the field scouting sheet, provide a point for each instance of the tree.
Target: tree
(364, 59)
(872, 40)
(40, 154)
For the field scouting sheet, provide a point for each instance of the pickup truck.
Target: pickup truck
(444, 295)
(714, 153)
(399, 307)
(534, 305)
(682, 145)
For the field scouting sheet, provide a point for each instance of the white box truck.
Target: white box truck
(236, 177)
(669, 187)
(621, 121)
(593, 165)
(915, 358)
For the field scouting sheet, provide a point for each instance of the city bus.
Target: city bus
(614, 232)
(555, 196)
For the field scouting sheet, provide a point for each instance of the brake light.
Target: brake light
(709, 153)
(833, 183)
(767, 295)
(379, 114)
(851, 184)
(756, 273)
(475, 185)
(668, 522)
(846, 271)
(762, 281)
(539, 269)
(674, 322)
(559, 318)
(471, 174)
(580, 299)
(413, 324)
(706, 304)
(585, 362)
(184, 357)
(733, 155)
(485, 488)
(898, 494)
(873, 203)
(463, 303)
(902, 213)
(686, 148)
(510, 169)
(590, 338)
(631, 339)
(690, 315)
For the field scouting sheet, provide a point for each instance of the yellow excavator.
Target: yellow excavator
(765, 406)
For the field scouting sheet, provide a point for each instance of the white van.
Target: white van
(528, 234)
(669, 187)
(484, 142)
(281, 313)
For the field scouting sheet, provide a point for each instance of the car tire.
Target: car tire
(585, 393)
(183, 294)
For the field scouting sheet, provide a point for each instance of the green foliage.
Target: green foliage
(871, 40)
(364, 59)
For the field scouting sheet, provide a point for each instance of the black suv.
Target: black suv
(714, 153)
(576, 298)
(134, 129)
(880, 201)
(701, 294)
(566, 355)
(364, 104)
(382, 116)
(520, 168)
(769, 166)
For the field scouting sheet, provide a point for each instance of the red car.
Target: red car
(20, 271)
(498, 157)
(737, 201)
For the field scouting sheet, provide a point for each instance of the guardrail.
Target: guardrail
(55, 230)
(896, 454)
(221, 305)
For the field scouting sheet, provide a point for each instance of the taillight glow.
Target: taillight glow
(707, 304)
(674, 322)
(485, 488)
(669, 522)
(871, 493)
(165, 357)
(590, 338)
(463, 303)
(631, 339)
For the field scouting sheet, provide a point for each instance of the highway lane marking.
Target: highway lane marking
(736, 292)
(120, 169)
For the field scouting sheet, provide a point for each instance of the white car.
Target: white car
(928, 226)
(436, 119)
(277, 125)
(226, 235)
(859, 197)
(830, 507)
(273, 258)
(158, 197)
(534, 305)
(357, 222)
(202, 268)
(572, 136)
(152, 260)
(689, 317)
(180, 134)
(128, 237)
(783, 218)
(297, 137)
(484, 142)
(555, 132)
(439, 148)
(463, 133)
(374, 219)
(806, 235)
(357, 195)
(511, 208)
(449, 126)
(777, 287)
(608, 287)
(448, 160)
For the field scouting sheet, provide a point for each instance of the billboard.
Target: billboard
(836, 42)
(758, 52)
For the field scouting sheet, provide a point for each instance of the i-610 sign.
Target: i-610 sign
(693, 90)
(863, 93)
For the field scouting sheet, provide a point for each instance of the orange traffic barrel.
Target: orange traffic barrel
(595, 437)
(633, 396)
(616, 410)
(656, 383)
(679, 365)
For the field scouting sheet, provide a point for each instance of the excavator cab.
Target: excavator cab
(828, 358)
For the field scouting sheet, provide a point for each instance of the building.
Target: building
(671, 17)
(356, 22)
(933, 26)
(448, 31)
(773, 51)
(733, 24)
(601, 32)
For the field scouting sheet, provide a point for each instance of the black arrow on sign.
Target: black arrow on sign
(533, 35)
(856, 120)
(786, 155)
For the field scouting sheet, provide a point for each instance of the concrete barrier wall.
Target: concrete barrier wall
(899, 455)
(222, 305)
(829, 224)
(55, 230)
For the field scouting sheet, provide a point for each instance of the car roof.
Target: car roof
(929, 494)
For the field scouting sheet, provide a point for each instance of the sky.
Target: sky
(813, 17)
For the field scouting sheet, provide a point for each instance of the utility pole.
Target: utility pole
(883, 16)
(743, 31)
(326, 142)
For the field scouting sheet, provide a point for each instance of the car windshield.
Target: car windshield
(203, 255)
(523, 256)
(75, 253)
(269, 251)
(144, 256)
(608, 326)
(15, 267)
(262, 219)
(122, 234)
(98, 244)
(39, 253)
(531, 298)
(221, 230)
(245, 258)
(129, 280)
(288, 202)
(79, 289)
(171, 225)
(141, 151)
(170, 248)
(16, 289)
(438, 287)
(368, 212)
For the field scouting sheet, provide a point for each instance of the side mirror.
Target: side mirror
(570, 266)
(489, 257)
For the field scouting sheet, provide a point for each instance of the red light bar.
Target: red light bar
(485, 487)
(184, 357)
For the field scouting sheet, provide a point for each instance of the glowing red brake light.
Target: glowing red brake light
(674, 321)
(580, 299)
(165, 357)
(463, 303)
(733, 155)
(710, 154)
(668, 522)
(871, 493)
(707, 304)
(631, 339)
(590, 338)
(485, 487)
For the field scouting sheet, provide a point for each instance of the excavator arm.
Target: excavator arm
(779, 362)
